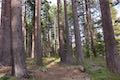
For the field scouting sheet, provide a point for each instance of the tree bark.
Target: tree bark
(33, 32)
(18, 39)
(5, 39)
(29, 44)
(79, 51)
(89, 30)
(69, 56)
(23, 21)
(109, 38)
(61, 35)
(38, 45)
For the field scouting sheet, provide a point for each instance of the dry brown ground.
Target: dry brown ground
(53, 71)
(57, 71)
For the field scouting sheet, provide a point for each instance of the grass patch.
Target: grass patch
(8, 78)
(97, 70)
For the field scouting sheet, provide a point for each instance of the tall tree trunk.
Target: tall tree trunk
(56, 35)
(69, 56)
(49, 42)
(89, 30)
(79, 51)
(18, 39)
(28, 41)
(60, 31)
(38, 45)
(29, 44)
(5, 38)
(33, 37)
(23, 21)
(28, 35)
(110, 43)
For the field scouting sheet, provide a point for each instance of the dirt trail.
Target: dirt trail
(59, 72)
(54, 71)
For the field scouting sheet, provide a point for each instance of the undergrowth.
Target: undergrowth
(96, 68)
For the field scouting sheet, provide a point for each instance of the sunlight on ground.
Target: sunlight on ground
(4, 70)
(2, 75)
(53, 63)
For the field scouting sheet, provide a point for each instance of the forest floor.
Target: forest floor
(52, 70)
(95, 69)
(55, 71)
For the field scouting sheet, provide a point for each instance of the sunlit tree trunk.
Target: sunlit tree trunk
(33, 37)
(23, 21)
